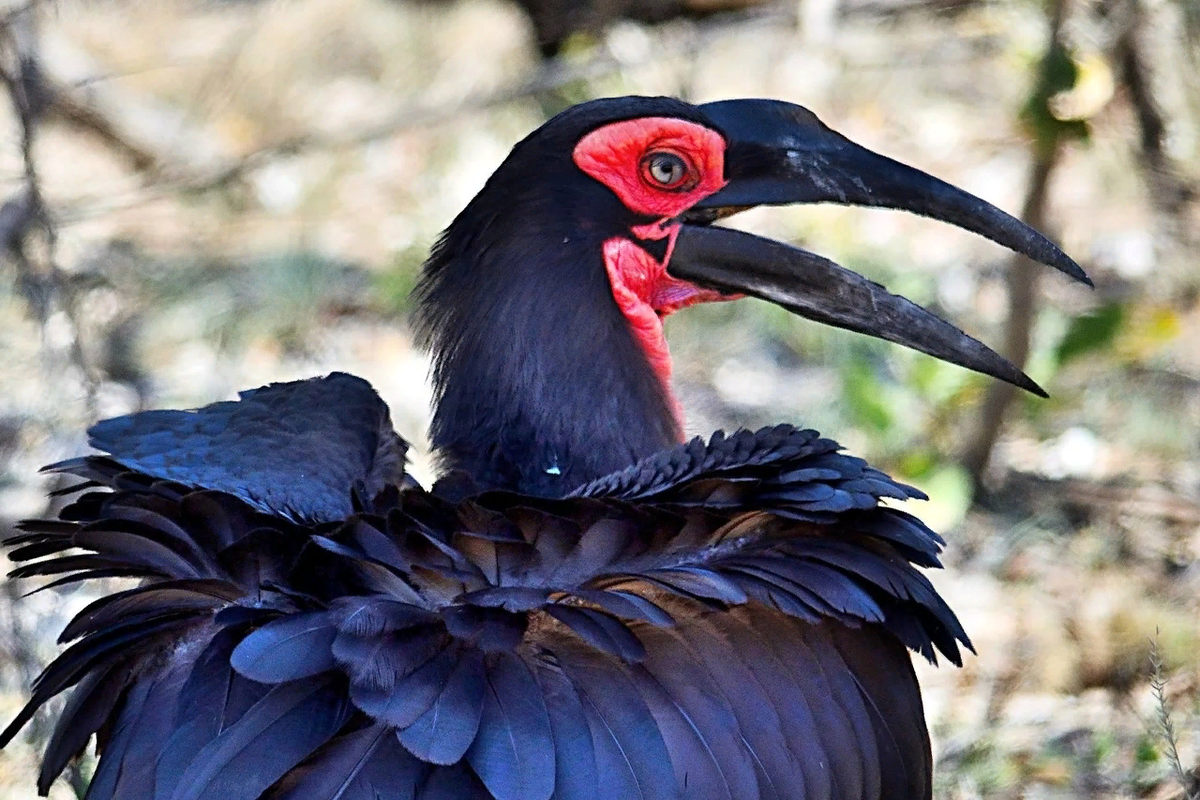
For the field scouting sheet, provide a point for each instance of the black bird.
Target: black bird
(583, 606)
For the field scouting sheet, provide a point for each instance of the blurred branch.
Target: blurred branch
(556, 21)
(552, 76)
(168, 178)
(26, 225)
(62, 106)
(1054, 75)
(1135, 66)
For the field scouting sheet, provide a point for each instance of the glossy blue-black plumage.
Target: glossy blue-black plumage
(253, 449)
(725, 619)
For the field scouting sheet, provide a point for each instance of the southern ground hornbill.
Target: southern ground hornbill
(583, 606)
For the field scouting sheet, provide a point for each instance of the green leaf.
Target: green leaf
(1059, 72)
(1091, 332)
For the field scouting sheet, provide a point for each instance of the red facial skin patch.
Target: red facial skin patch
(614, 156)
(617, 156)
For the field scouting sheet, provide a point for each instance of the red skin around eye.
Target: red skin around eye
(640, 284)
(613, 155)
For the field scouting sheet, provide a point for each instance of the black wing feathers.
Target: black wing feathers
(576, 773)
(294, 449)
(335, 772)
(724, 620)
(513, 755)
(295, 719)
(446, 729)
(88, 709)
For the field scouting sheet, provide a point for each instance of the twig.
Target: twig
(1166, 726)
(62, 106)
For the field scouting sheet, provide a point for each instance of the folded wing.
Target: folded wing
(292, 449)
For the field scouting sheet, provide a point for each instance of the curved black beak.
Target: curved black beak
(735, 262)
(779, 153)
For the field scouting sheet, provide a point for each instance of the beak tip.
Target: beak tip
(1067, 266)
(1033, 388)
(1020, 380)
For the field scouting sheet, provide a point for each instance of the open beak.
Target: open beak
(780, 153)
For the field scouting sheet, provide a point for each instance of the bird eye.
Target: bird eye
(667, 171)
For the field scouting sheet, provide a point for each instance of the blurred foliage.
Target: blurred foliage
(393, 286)
(1058, 74)
(281, 298)
(1090, 332)
(866, 398)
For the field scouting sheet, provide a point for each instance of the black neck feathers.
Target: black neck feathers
(539, 384)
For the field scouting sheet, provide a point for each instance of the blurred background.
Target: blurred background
(198, 196)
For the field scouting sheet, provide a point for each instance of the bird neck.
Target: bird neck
(540, 383)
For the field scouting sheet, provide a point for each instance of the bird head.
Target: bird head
(543, 301)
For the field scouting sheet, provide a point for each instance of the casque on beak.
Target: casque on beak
(780, 153)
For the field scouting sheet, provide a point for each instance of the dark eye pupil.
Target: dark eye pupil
(666, 169)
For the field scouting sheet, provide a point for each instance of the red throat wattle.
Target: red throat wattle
(646, 294)
(621, 156)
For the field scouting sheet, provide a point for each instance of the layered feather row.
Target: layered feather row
(723, 620)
